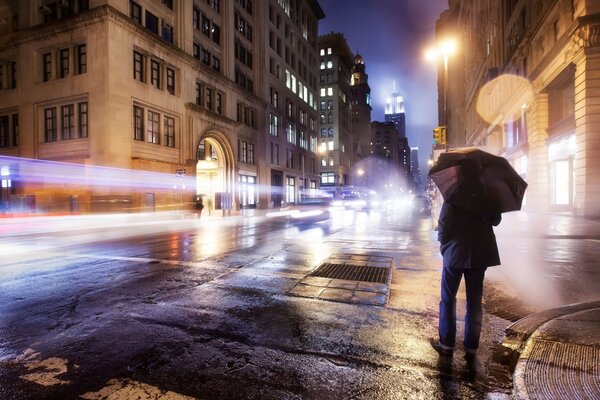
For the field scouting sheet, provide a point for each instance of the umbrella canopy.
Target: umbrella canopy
(478, 181)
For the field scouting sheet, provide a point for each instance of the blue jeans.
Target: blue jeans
(474, 288)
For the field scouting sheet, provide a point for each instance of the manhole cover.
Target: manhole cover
(348, 278)
(349, 272)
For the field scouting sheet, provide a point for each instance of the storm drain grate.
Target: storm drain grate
(350, 272)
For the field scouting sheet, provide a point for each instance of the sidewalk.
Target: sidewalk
(555, 354)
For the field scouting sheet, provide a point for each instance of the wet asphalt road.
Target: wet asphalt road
(204, 313)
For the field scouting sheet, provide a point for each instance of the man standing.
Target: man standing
(468, 246)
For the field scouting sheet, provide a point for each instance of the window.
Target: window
(83, 120)
(198, 93)
(50, 124)
(219, 103)
(67, 113)
(138, 123)
(323, 133)
(216, 33)
(155, 73)
(251, 153)
(215, 4)
(12, 78)
(135, 11)
(327, 178)
(274, 153)
(4, 131)
(196, 52)
(290, 159)
(208, 103)
(63, 63)
(170, 80)
(242, 26)
(138, 66)
(205, 25)
(216, 63)
(168, 3)
(47, 67)
(169, 131)
(151, 22)
(15, 129)
(81, 59)
(274, 98)
(273, 125)
(153, 133)
(167, 32)
(323, 161)
(330, 132)
(291, 133)
(290, 192)
(206, 56)
(196, 18)
(243, 151)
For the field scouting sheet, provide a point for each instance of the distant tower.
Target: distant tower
(394, 111)
(360, 104)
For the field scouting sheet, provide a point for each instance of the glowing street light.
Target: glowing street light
(442, 51)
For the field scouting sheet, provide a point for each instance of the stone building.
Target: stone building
(533, 67)
(218, 94)
(336, 142)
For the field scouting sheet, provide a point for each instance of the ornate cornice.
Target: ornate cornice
(212, 114)
(588, 35)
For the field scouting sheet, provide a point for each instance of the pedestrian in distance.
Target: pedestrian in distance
(199, 206)
(468, 246)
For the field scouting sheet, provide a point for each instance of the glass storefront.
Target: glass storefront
(561, 154)
(248, 191)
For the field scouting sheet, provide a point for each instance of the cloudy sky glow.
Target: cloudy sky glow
(392, 36)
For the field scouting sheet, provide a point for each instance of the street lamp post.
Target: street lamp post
(442, 51)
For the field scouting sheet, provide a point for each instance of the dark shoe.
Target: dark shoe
(470, 357)
(437, 346)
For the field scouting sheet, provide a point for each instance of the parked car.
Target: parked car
(422, 204)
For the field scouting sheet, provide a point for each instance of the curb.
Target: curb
(538, 350)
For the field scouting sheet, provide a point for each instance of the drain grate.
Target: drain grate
(350, 272)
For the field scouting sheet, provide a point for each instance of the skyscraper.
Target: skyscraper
(360, 104)
(335, 148)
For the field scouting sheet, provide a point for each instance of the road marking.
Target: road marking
(127, 389)
(50, 368)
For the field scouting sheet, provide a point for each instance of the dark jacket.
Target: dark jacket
(466, 239)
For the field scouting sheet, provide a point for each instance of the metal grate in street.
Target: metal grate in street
(349, 272)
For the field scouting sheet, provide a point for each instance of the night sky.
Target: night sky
(392, 35)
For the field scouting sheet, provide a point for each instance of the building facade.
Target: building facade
(360, 104)
(173, 87)
(547, 127)
(335, 141)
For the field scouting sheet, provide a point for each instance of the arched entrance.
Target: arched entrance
(215, 175)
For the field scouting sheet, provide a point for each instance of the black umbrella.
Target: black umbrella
(478, 181)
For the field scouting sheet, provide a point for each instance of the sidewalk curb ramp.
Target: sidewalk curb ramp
(555, 354)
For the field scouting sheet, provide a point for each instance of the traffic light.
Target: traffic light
(439, 135)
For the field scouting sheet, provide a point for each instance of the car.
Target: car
(305, 210)
(421, 204)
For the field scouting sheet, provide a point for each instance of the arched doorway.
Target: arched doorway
(215, 176)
